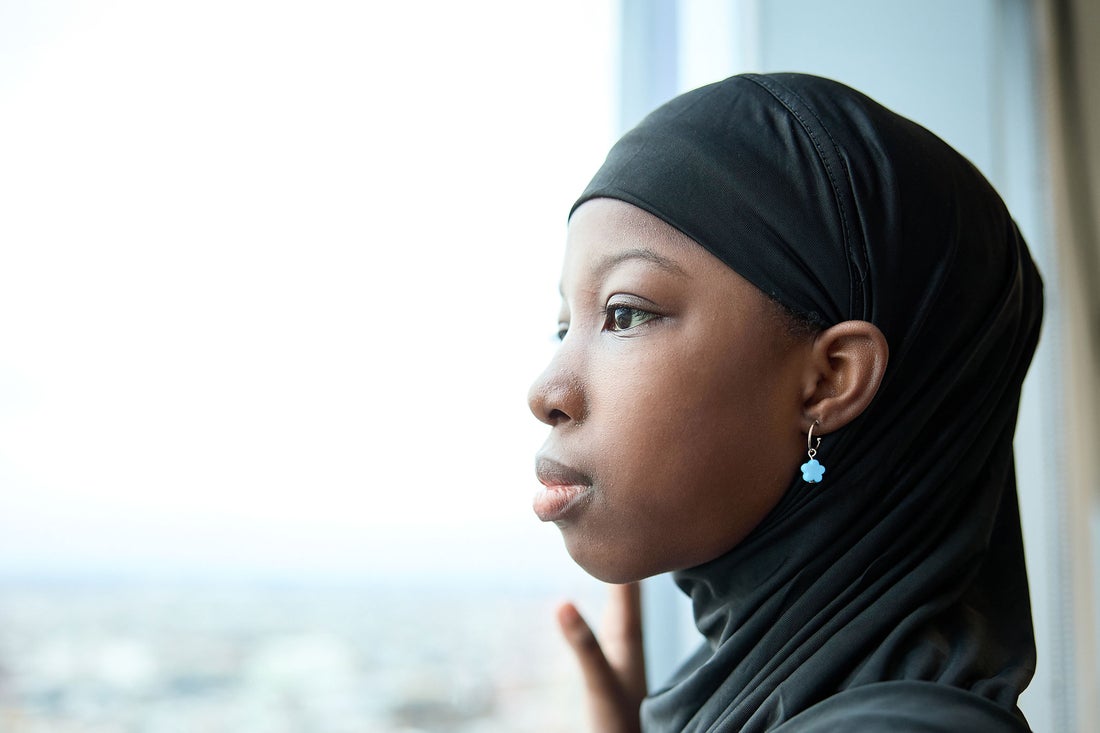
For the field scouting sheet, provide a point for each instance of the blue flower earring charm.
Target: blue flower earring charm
(812, 471)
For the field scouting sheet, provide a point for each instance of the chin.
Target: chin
(607, 566)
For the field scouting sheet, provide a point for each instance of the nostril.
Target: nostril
(556, 398)
(556, 416)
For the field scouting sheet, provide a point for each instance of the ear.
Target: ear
(842, 374)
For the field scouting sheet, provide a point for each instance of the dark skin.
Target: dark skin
(674, 374)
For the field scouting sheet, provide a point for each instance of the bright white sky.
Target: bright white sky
(274, 278)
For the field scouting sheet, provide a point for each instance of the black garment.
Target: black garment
(892, 596)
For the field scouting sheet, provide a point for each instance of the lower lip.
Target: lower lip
(554, 502)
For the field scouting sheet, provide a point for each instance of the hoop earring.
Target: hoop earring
(812, 471)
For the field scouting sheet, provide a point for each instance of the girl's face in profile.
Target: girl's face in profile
(674, 400)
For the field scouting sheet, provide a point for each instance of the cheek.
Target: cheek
(692, 429)
(689, 392)
(690, 453)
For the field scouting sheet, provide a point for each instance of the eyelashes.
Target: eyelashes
(617, 318)
(625, 317)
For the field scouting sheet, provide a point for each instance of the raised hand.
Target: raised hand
(613, 666)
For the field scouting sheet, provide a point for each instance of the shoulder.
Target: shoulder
(905, 707)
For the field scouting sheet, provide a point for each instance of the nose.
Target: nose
(557, 396)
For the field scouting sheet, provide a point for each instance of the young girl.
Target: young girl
(794, 327)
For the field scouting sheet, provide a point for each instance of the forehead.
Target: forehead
(604, 233)
(619, 223)
(610, 236)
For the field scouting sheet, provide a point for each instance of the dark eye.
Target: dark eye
(623, 317)
(563, 328)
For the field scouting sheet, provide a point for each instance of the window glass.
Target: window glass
(275, 279)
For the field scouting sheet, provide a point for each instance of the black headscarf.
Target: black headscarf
(893, 595)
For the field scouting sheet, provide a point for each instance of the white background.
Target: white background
(274, 278)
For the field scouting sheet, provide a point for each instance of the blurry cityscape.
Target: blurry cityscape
(138, 658)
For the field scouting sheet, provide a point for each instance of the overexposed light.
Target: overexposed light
(282, 270)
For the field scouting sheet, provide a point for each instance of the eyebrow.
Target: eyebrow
(612, 261)
(638, 253)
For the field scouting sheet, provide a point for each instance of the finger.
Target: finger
(623, 615)
(599, 677)
(622, 637)
(609, 709)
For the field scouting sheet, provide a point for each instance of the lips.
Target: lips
(564, 489)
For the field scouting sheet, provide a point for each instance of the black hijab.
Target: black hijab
(893, 595)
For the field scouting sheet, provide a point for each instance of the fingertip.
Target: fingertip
(576, 630)
(568, 616)
(628, 591)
